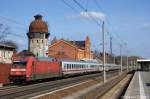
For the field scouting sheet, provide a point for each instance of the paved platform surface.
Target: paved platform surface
(139, 87)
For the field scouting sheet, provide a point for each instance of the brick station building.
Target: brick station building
(74, 50)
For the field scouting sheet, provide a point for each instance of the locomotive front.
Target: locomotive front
(20, 67)
(18, 71)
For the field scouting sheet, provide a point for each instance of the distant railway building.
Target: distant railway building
(74, 50)
(38, 37)
(143, 64)
(6, 52)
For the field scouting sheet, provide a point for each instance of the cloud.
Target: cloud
(20, 42)
(146, 25)
(96, 15)
(90, 15)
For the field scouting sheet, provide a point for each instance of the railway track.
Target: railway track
(28, 90)
(8, 87)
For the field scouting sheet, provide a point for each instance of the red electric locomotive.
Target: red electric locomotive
(27, 67)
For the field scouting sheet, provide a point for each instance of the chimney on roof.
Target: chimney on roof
(38, 17)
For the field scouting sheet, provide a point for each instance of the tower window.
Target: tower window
(42, 41)
(37, 54)
(37, 41)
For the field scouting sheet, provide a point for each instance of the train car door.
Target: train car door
(33, 70)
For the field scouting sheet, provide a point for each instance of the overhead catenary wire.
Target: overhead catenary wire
(66, 3)
(18, 27)
(86, 11)
(11, 20)
(115, 35)
(108, 21)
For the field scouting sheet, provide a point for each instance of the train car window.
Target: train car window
(75, 66)
(67, 66)
(78, 67)
(72, 66)
(92, 66)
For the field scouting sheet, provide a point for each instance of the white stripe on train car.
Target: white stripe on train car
(18, 69)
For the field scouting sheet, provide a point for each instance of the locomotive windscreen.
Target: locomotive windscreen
(19, 63)
(25, 53)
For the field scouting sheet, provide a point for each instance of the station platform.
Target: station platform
(139, 87)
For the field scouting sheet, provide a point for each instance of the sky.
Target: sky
(126, 21)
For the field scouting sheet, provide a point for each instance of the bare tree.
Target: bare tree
(54, 40)
(96, 54)
(4, 31)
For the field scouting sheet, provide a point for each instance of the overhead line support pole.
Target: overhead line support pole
(127, 64)
(103, 38)
(120, 58)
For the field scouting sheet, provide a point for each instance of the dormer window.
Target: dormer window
(61, 46)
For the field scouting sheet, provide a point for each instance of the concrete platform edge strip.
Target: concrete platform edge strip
(38, 96)
(82, 94)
